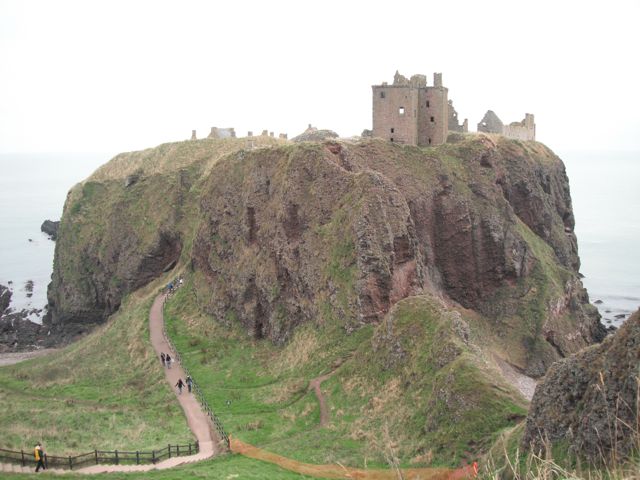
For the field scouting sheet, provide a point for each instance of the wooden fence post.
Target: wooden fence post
(96, 453)
(169, 450)
(24, 464)
(117, 461)
(137, 457)
(177, 450)
(153, 457)
(189, 448)
(70, 463)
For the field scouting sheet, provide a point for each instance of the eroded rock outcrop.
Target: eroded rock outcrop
(50, 228)
(589, 401)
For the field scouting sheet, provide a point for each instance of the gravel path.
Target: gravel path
(17, 357)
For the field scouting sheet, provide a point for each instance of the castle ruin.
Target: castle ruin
(410, 112)
(523, 130)
(222, 132)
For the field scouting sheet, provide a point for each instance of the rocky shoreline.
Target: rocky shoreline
(17, 332)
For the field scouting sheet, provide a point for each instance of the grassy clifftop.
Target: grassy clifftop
(172, 157)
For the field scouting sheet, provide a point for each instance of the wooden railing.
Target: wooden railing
(196, 389)
(97, 457)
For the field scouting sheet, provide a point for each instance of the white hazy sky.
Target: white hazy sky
(112, 76)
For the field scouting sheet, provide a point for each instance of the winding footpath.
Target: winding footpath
(210, 443)
(198, 421)
(324, 410)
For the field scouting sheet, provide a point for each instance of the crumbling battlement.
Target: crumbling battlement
(523, 130)
(231, 133)
(454, 126)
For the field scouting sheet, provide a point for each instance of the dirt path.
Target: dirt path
(17, 357)
(324, 411)
(340, 471)
(198, 421)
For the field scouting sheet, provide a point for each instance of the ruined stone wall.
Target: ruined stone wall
(491, 123)
(222, 132)
(395, 110)
(454, 124)
(524, 130)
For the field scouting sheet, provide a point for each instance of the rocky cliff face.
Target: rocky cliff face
(124, 226)
(297, 234)
(589, 401)
(335, 231)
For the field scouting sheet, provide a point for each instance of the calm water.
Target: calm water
(33, 188)
(606, 204)
(604, 188)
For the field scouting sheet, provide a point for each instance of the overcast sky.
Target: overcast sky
(112, 76)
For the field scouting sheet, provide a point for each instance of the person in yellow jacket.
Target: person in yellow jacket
(39, 456)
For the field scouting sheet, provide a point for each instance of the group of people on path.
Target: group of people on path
(166, 360)
(188, 382)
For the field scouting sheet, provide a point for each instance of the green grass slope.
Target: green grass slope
(106, 391)
(416, 387)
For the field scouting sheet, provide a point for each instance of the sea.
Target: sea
(33, 188)
(604, 190)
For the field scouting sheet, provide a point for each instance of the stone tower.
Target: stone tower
(410, 112)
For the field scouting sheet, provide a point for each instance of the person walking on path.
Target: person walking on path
(189, 383)
(167, 359)
(162, 358)
(180, 384)
(38, 454)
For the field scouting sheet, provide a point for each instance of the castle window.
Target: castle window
(401, 110)
(392, 130)
(429, 141)
(433, 119)
(382, 95)
(392, 139)
(427, 103)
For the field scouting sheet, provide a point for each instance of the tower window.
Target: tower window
(392, 130)
(401, 110)
(427, 103)
(433, 119)
(429, 141)
(382, 94)
(392, 139)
